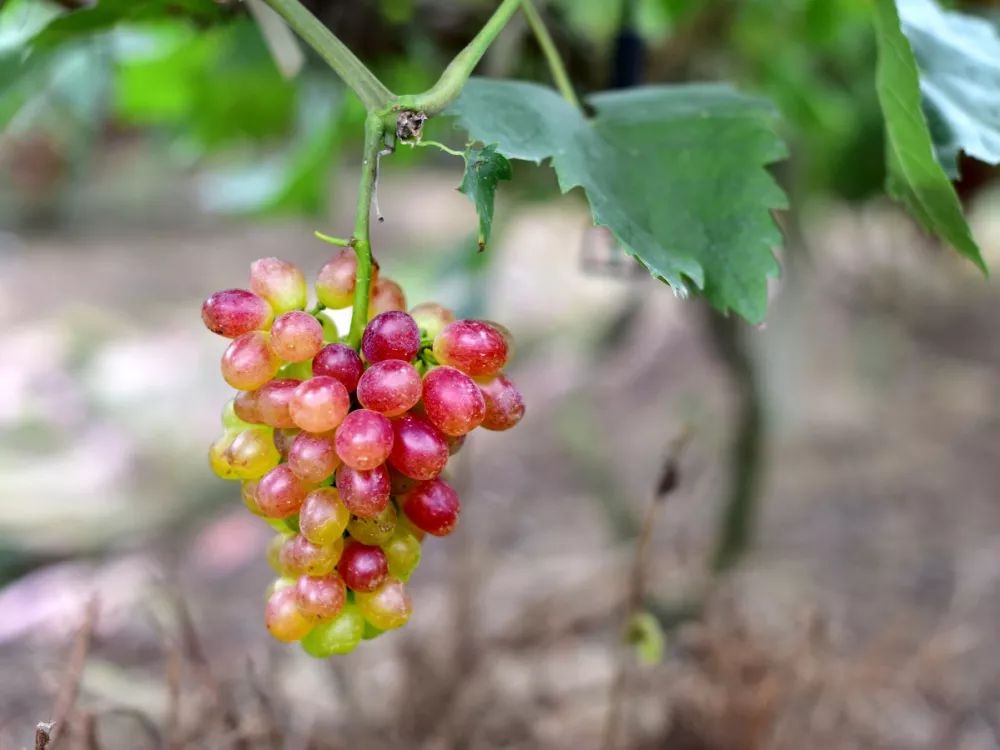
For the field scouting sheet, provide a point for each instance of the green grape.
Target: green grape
(274, 551)
(388, 606)
(231, 420)
(371, 632)
(248, 493)
(330, 333)
(374, 530)
(340, 635)
(296, 370)
(323, 516)
(402, 552)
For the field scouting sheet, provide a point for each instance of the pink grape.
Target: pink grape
(313, 457)
(337, 278)
(419, 450)
(296, 336)
(386, 295)
(320, 597)
(319, 404)
(245, 407)
(341, 362)
(388, 606)
(272, 401)
(390, 387)
(472, 346)
(363, 567)
(283, 618)
(299, 556)
(375, 530)
(249, 361)
(431, 318)
(391, 335)
(233, 312)
(323, 517)
(365, 493)
(433, 507)
(279, 282)
(504, 403)
(280, 493)
(364, 439)
(453, 402)
(283, 439)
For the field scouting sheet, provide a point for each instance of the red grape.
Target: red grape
(296, 336)
(282, 616)
(390, 387)
(504, 404)
(375, 530)
(474, 347)
(272, 401)
(320, 597)
(280, 283)
(283, 439)
(399, 483)
(320, 404)
(337, 278)
(233, 312)
(249, 361)
(364, 439)
(455, 443)
(453, 402)
(341, 635)
(386, 295)
(248, 494)
(341, 362)
(363, 567)
(431, 318)
(245, 407)
(419, 450)
(323, 517)
(280, 493)
(313, 457)
(433, 507)
(299, 556)
(388, 606)
(365, 493)
(391, 335)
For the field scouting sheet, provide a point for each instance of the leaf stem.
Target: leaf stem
(450, 84)
(364, 83)
(548, 45)
(360, 240)
(338, 241)
(437, 145)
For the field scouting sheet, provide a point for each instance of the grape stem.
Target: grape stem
(375, 134)
(552, 58)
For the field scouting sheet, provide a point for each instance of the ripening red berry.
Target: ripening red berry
(419, 450)
(365, 493)
(452, 401)
(337, 278)
(390, 387)
(319, 404)
(341, 362)
(272, 401)
(320, 597)
(433, 507)
(296, 336)
(504, 403)
(299, 556)
(474, 347)
(364, 439)
(280, 493)
(431, 318)
(324, 516)
(279, 282)
(249, 361)
(391, 335)
(313, 457)
(386, 295)
(283, 618)
(362, 566)
(233, 312)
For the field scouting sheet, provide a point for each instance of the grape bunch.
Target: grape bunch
(342, 451)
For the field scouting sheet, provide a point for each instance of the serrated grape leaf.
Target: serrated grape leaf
(108, 13)
(915, 177)
(958, 57)
(484, 168)
(677, 173)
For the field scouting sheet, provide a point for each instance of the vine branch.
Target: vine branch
(372, 92)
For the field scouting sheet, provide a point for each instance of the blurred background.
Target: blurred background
(824, 572)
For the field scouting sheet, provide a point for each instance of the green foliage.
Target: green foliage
(677, 173)
(915, 178)
(645, 634)
(959, 61)
(484, 168)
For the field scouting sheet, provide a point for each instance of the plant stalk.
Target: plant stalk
(374, 141)
(364, 83)
(449, 85)
(548, 45)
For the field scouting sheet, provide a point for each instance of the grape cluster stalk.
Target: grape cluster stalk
(342, 451)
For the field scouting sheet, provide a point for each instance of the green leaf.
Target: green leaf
(484, 168)
(959, 61)
(915, 177)
(677, 173)
(109, 13)
(646, 636)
